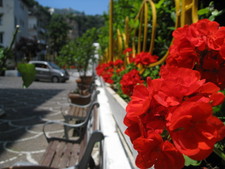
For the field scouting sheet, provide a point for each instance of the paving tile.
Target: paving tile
(26, 110)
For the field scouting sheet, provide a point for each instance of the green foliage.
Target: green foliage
(152, 72)
(27, 72)
(117, 78)
(67, 54)
(2, 60)
(165, 26)
(133, 23)
(130, 9)
(209, 11)
(103, 39)
(58, 33)
(79, 52)
(7, 53)
(86, 22)
(190, 162)
(121, 10)
(85, 50)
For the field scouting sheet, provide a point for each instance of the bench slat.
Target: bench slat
(49, 154)
(59, 151)
(75, 155)
(77, 112)
(66, 158)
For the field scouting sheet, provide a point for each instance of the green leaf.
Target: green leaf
(189, 161)
(215, 13)
(212, 18)
(27, 72)
(134, 23)
(146, 73)
(203, 11)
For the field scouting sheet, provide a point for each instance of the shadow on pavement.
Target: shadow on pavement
(24, 108)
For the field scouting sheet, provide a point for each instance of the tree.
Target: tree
(86, 22)
(57, 33)
(85, 50)
(79, 52)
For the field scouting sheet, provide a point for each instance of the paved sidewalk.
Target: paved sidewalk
(26, 110)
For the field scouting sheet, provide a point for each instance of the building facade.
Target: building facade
(13, 13)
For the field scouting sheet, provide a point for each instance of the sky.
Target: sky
(89, 7)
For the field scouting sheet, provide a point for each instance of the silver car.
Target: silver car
(50, 71)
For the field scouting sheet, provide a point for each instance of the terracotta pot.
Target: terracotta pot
(85, 82)
(80, 99)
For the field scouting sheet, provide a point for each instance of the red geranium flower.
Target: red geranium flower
(106, 70)
(200, 46)
(194, 129)
(145, 58)
(154, 151)
(127, 50)
(118, 62)
(174, 104)
(129, 80)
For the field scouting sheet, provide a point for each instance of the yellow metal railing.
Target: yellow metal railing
(186, 13)
(143, 17)
(110, 55)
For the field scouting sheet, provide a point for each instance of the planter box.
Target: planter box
(118, 108)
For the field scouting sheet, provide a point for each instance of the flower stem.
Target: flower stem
(219, 153)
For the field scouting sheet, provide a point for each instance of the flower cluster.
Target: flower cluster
(106, 70)
(200, 46)
(129, 81)
(133, 77)
(145, 58)
(173, 116)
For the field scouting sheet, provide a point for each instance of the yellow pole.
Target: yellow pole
(111, 30)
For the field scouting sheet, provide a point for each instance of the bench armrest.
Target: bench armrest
(65, 126)
(80, 126)
(96, 136)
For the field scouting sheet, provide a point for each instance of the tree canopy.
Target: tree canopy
(57, 33)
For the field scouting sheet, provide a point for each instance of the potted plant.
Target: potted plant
(84, 57)
(81, 53)
(79, 97)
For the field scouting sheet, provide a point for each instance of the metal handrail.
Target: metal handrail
(183, 17)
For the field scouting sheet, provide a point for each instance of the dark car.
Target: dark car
(49, 71)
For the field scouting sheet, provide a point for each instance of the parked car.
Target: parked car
(49, 71)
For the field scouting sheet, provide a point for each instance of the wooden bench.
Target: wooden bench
(66, 155)
(77, 111)
(76, 151)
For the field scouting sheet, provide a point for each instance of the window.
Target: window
(40, 65)
(1, 37)
(1, 3)
(1, 16)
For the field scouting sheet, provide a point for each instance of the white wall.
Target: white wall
(14, 13)
(7, 26)
(21, 15)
